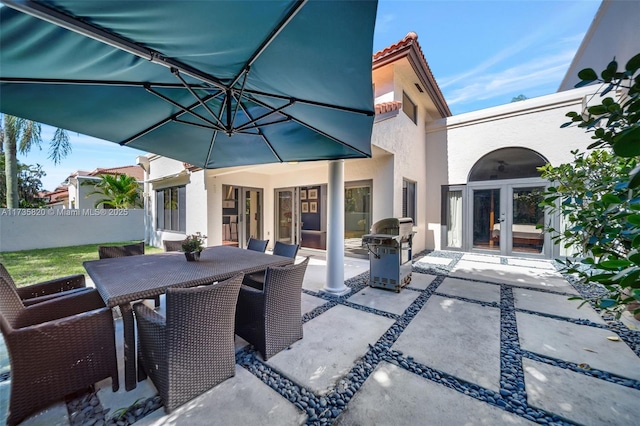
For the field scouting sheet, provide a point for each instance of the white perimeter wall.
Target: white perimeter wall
(25, 229)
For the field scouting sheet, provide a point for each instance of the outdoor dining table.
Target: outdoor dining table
(123, 280)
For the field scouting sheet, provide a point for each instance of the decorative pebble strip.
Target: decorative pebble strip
(323, 410)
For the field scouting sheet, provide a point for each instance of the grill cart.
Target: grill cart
(390, 245)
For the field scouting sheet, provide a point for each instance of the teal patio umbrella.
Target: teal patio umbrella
(211, 83)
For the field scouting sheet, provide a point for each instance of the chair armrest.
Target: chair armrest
(60, 307)
(148, 318)
(52, 286)
(40, 299)
(88, 329)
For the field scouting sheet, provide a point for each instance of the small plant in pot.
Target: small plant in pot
(193, 245)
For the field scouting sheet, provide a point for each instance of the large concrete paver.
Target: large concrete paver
(385, 300)
(554, 304)
(309, 303)
(459, 338)
(54, 415)
(427, 261)
(579, 344)
(240, 400)
(493, 259)
(542, 264)
(333, 342)
(393, 396)
(520, 276)
(420, 281)
(316, 275)
(473, 290)
(596, 403)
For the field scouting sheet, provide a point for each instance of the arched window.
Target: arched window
(507, 163)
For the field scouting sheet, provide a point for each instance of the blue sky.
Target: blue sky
(482, 54)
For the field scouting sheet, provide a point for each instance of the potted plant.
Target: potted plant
(193, 245)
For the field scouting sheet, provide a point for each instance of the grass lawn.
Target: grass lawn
(34, 266)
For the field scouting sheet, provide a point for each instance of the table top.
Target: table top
(125, 279)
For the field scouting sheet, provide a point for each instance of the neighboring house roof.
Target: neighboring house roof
(135, 171)
(60, 194)
(385, 107)
(409, 48)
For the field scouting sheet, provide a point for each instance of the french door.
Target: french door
(504, 217)
(242, 215)
(287, 215)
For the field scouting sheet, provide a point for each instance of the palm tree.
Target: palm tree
(19, 134)
(117, 191)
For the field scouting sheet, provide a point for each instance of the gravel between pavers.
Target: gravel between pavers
(324, 410)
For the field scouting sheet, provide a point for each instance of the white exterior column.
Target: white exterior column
(335, 230)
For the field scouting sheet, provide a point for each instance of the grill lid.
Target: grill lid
(394, 226)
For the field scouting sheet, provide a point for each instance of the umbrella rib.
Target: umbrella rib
(20, 80)
(253, 122)
(240, 95)
(213, 139)
(313, 103)
(73, 23)
(161, 123)
(264, 138)
(204, 126)
(185, 110)
(272, 36)
(205, 106)
(326, 135)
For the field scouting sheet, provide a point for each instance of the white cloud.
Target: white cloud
(535, 73)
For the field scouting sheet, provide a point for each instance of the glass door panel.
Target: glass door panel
(285, 216)
(486, 219)
(230, 215)
(357, 217)
(527, 213)
(252, 217)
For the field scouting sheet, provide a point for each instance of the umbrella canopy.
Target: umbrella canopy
(211, 83)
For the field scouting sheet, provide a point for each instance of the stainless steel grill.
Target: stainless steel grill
(390, 245)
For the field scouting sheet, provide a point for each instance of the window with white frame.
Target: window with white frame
(171, 209)
(409, 108)
(409, 199)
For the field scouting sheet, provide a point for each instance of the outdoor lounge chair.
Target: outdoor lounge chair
(56, 347)
(136, 249)
(172, 245)
(271, 319)
(46, 290)
(256, 280)
(257, 245)
(192, 349)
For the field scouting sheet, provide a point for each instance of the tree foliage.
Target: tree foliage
(519, 98)
(598, 195)
(29, 185)
(21, 135)
(116, 191)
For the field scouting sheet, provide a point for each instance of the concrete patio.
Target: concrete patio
(473, 339)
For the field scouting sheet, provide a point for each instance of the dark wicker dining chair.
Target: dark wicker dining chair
(106, 252)
(172, 245)
(192, 349)
(271, 319)
(257, 245)
(56, 347)
(46, 290)
(136, 249)
(256, 280)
